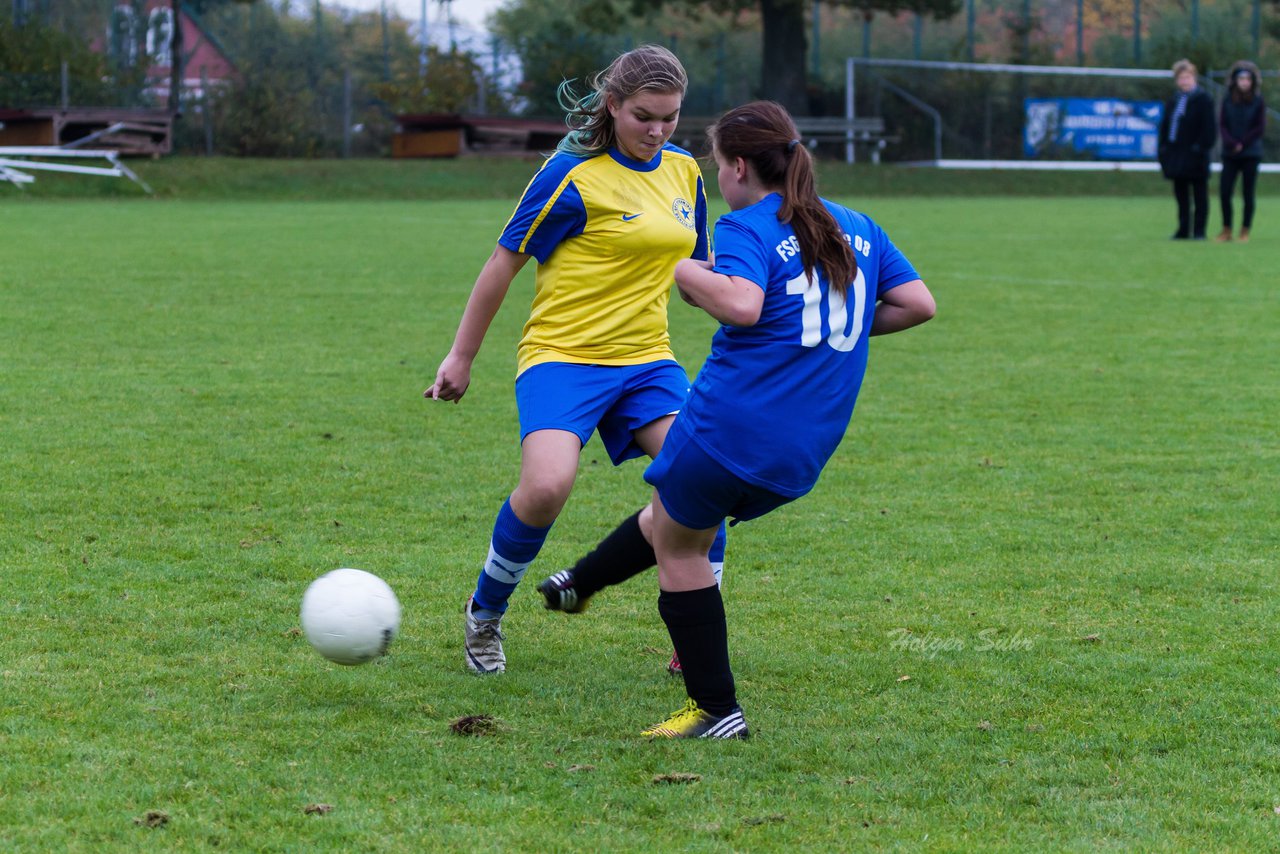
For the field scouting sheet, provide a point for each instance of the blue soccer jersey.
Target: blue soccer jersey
(773, 400)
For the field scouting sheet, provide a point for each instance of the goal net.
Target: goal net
(984, 111)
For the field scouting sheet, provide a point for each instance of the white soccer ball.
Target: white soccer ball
(350, 616)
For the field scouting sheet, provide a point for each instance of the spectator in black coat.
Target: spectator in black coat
(1187, 133)
(1241, 123)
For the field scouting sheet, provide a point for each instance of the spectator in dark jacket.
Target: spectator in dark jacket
(1187, 134)
(1241, 123)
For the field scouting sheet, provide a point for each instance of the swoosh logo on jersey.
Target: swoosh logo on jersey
(629, 217)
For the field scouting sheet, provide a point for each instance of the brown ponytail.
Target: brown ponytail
(763, 134)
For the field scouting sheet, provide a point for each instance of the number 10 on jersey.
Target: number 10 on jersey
(837, 313)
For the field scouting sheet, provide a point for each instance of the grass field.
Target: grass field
(1031, 605)
(237, 179)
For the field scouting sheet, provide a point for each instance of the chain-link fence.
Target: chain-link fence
(314, 88)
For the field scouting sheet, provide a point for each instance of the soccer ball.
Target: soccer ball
(350, 616)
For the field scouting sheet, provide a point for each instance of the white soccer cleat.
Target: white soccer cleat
(484, 643)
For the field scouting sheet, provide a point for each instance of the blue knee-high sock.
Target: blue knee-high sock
(513, 548)
(716, 555)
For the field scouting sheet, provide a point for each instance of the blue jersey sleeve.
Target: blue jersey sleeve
(550, 211)
(739, 252)
(701, 252)
(895, 269)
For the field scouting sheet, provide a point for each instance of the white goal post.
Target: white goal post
(852, 62)
(851, 116)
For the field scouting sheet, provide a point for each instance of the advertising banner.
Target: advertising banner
(1095, 128)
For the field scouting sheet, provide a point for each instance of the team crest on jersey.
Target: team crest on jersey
(683, 212)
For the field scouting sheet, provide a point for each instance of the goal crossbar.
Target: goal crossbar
(853, 62)
(1007, 68)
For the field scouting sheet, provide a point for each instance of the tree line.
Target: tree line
(310, 73)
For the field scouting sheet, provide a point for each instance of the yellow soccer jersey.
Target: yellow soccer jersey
(607, 232)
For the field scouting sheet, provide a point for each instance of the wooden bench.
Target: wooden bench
(836, 128)
(453, 134)
(125, 130)
(867, 131)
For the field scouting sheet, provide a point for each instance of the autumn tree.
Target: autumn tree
(783, 27)
(576, 37)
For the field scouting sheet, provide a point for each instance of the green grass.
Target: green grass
(1063, 487)
(503, 178)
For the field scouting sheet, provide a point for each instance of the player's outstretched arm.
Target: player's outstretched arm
(731, 300)
(706, 265)
(454, 374)
(903, 307)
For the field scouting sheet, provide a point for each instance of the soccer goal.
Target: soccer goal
(989, 115)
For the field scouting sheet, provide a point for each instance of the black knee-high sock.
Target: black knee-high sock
(696, 623)
(622, 554)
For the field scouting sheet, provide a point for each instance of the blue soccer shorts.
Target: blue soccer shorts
(698, 491)
(617, 400)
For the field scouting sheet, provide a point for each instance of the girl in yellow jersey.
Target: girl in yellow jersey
(606, 217)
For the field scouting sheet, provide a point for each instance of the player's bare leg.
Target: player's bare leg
(626, 552)
(691, 606)
(548, 467)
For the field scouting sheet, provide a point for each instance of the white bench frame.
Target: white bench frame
(16, 163)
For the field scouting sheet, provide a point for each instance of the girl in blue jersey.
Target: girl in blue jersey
(606, 217)
(798, 284)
